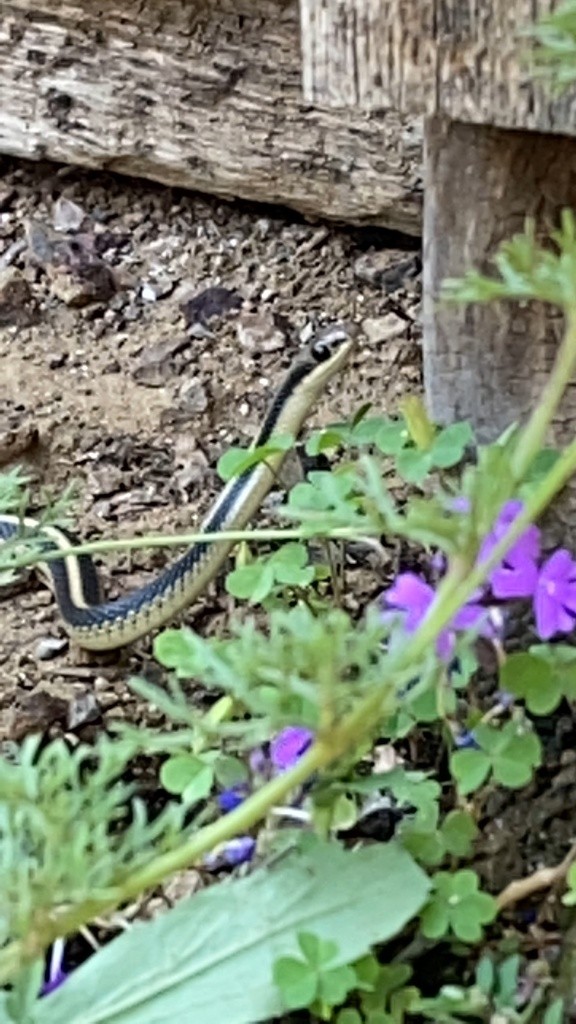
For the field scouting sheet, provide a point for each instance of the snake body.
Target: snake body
(99, 625)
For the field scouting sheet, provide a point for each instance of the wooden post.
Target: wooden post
(487, 363)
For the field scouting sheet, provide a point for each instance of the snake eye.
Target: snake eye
(321, 350)
(328, 342)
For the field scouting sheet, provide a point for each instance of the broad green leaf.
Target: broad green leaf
(230, 771)
(325, 440)
(315, 950)
(178, 771)
(334, 985)
(349, 1016)
(297, 982)
(450, 445)
(391, 437)
(199, 786)
(236, 461)
(187, 776)
(291, 553)
(562, 659)
(251, 582)
(413, 465)
(485, 975)
(210, 959)
(469, 769)
(175, 648)
(555, 1013)
(459, 831)
(532, 679)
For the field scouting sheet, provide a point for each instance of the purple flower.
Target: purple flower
(231, 798)
(555, 595)
(56, 975)
(288, 746)
(237, 851)
(517, 574)
(411, 596)
(466, 741)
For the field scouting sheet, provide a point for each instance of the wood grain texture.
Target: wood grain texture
(488, 363)
(462, 58)
(202, 96)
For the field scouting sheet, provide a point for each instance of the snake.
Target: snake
(98, 625)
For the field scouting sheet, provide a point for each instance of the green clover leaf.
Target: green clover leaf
(457, 905)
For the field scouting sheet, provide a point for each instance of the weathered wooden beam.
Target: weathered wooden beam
(463, 58)
(203, 96)
(488, 363)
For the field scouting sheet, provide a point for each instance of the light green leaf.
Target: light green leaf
(251, 582)
(177, 772)
(334, 985)
(297, 982)
(450, 444)
(193, 962)
(176, 649)
(469, 769)
(413, 465)
(532, 679)
(459, 831)
(236, 461)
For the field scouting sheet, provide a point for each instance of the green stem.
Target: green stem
(98, 547)
(533, 436)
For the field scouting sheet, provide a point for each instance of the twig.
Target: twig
(544, 878)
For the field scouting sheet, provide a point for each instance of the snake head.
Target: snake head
(337, 339)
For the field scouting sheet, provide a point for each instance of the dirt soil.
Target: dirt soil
(116, 376)
(141, 333)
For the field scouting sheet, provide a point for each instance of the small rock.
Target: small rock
(151, 291)
(7, 197)
(212, 302)
(16, 299)
(383, 328)
(58, 360)
(386, 270)
(83, 708)
(50, 647)
(193, 396)
(96, 284)
(11, 254)
(306, 333)
(148, 292)
(259, 331)
(67, 216)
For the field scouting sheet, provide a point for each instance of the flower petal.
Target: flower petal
(289, 745)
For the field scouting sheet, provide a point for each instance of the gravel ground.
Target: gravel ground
(141, 333)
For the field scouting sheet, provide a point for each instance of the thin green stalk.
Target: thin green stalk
(99, 547)
(533, 436)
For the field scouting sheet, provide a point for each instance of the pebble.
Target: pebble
(50, 647)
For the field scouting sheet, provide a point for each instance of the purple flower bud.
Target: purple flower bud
(231, 798)
(56, 975)
(258, 761)
(288, 746)
(466, 740)
(237, 851)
